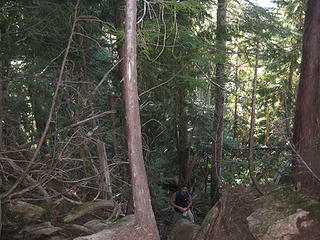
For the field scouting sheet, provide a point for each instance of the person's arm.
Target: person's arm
(190, 202)
(175, 205)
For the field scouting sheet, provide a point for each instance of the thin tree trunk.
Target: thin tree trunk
(288, 98)
(235, 116)
(219, 102)
(0, 217)
(1, 135)
(267, 125)
(1, 103)
(306, 122)
(144, 216)
(114, 139)
(208, 94)
(252, 122)
(83, 147)
(182, 133)
(105, 175)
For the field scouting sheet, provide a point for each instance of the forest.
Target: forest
(108, 107)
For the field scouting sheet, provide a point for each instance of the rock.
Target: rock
(39, 230)
(253, 223)
(278, 215)
(83, 229)
(184, 230)
(261, 219)
(57, 238)
(286, 228)
(97, 225)
(29, 212)
(112, 231)
(227, 218)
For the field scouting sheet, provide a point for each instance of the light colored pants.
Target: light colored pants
(188, 215)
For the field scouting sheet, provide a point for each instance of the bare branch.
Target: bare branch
(304, 162)
(35, 155)
(161, 84)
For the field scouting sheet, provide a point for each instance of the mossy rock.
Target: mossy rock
(277, 204)
(88, 208)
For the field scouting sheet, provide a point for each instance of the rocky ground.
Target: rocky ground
(282, 213)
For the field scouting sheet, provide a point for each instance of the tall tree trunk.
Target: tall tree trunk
(1, 103)
(219, 102)
(235, 116)
(266, 139)
(252, 122)
(119, 19)
(288, 97)
(144, 216)
(307, 116)
(182, 132)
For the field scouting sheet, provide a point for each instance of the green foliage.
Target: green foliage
(313, 207)
(290, 196)
(48, 206)
(160, 197)
(177, 56)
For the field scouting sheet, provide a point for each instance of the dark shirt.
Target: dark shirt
(181, 200)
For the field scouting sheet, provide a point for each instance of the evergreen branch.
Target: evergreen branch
(218, 85)
(164, 83)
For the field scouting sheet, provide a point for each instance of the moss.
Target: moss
(289, 196)
(80, 207)
(48, 206)
(290, 212)
(313, 207)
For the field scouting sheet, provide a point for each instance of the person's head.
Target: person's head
(184, 188)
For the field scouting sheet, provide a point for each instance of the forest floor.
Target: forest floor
(230, 217)
(241, 213)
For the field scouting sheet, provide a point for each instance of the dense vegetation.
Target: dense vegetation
(61, 106)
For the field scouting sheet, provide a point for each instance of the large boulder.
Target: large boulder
(283, 213)
(40, 230)
(24, 211)
(112, 230)
(227, 219)
(287, 227)
(183, 230)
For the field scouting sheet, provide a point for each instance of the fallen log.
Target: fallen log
(87, 208)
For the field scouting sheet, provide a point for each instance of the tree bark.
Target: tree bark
(266, 139)
(235, 116)
(105, 180)
(252, 122)
(182, 132)
(219, 102)
(114, 138)
(119, 19)
(1, 102)
(306, 134)
(144, 216)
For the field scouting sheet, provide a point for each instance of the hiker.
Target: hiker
(182, 201)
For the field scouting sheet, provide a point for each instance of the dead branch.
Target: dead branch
(300, 158)
(35, 155)
(29, 178)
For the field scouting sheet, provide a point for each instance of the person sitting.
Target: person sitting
(182, 201)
